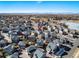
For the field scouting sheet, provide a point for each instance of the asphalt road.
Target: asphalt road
(71, 52)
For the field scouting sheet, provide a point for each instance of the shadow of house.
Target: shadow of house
(31, 49)
(61, 50)
(66, 48)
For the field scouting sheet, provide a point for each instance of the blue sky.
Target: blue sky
(39, 7)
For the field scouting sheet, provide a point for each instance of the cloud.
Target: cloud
(39, 2)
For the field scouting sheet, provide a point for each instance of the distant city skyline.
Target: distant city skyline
(39, 7)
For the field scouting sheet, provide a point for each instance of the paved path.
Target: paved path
(6, 37)
(76, 53)
(24, 54)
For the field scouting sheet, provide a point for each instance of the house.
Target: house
(15, 39)
(9, 33)
(2, 43)
(75, 36)
(38, 32)
(49, 28)
(50, 47)
(45, 23)
(24, 33)
(8, 49)
(5, 29)
(21, 44)
(40, 42)
(22, 28)
(31, 49)
(57, 42)
(46, 35)
(39, 53)
(1, 37)
(76, 32)
(15, 55)
(31, 37)
(14, 32)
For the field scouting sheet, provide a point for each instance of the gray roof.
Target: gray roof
(56, 41)
(21, 44)
(25, 33)
(5, 29)
(50, 46)
(39, 53)
(8, 49)
(39, 42)
(15, 55)
(14, 33)
(2, 42)
(15, 38)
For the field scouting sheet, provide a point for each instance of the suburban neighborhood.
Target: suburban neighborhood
(35, 36)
